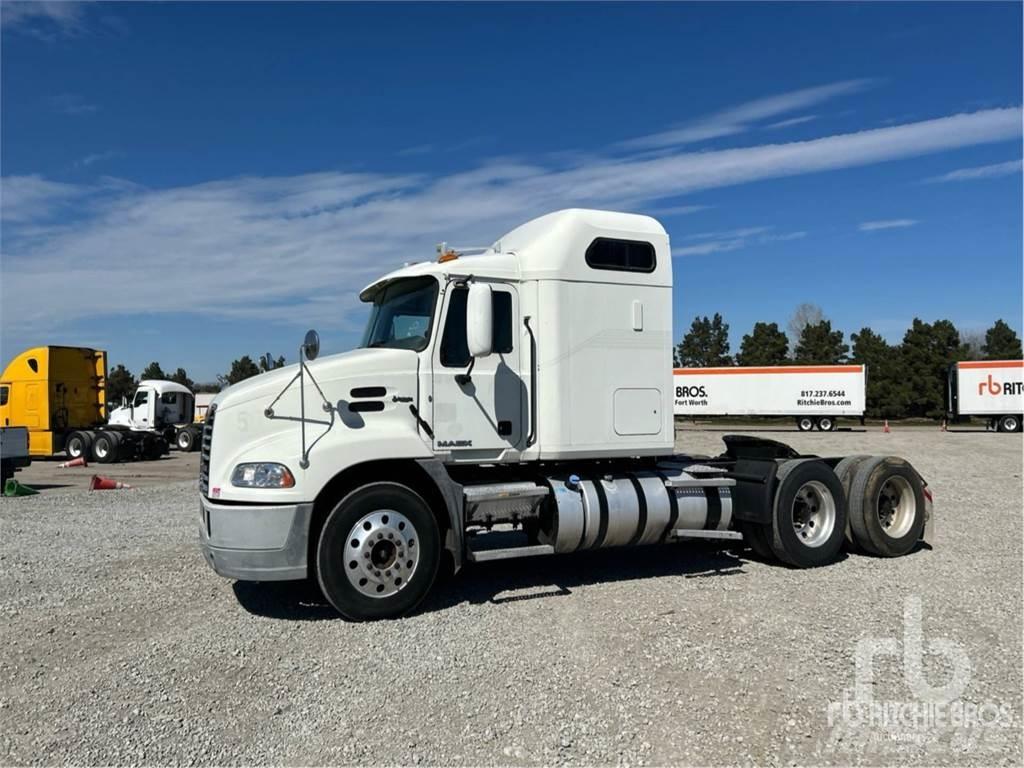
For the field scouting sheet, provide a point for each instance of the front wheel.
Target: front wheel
(378, 553)
(186, 439)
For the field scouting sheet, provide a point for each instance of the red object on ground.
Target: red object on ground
(79, 462)
(886, 427)
(100, 483)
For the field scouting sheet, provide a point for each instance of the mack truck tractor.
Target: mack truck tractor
(506, 404)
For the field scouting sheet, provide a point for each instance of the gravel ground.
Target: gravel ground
(120, 646)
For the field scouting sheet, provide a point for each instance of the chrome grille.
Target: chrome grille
(204, 455)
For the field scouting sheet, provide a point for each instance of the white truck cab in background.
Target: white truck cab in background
(524, 387)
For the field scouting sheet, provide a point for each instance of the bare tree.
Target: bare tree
(804, 315)
(974, 341)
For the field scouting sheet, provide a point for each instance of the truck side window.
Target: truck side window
(621, 255)
(454, 347)
(4, 392)
(141, 398)
(169, 398)
(502, 322)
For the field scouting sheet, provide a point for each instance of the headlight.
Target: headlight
(262, 476)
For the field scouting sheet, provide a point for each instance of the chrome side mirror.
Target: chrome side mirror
(311, 345)
(480, 320)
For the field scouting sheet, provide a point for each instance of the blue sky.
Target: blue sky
(191, 182)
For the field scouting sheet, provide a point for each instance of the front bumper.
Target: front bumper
(255, 543)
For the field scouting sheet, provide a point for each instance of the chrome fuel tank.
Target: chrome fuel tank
(628, 508)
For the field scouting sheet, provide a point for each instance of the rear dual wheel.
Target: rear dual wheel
(809, 514)
(78, 445)
(1008, 424)
(887, 510)
(106, 447)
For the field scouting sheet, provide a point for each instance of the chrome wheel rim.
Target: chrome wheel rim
(101, 449)
(814, 514)
(896, 507)
(183, 441)
(381, 553)
(806, 425)
(75, 449)
(825, 425)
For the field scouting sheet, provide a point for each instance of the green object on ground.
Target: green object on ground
(14, 488)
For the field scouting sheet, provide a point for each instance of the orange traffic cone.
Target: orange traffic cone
(79, 462)
(885, 428)
(100, 483)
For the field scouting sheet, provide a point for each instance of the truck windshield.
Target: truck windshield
(402, 315)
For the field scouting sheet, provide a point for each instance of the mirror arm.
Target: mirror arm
(465, 378)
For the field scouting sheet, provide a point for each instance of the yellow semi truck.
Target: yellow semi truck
(60, 395)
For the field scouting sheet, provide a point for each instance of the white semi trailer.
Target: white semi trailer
(523, 387)
(991, 389)
(815, 395)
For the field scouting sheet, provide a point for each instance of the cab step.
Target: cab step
(684, 533)
(507, 553)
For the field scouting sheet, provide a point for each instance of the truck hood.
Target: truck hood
(327, 371)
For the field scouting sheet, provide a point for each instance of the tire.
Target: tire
(758, 538)
(1008, 424)
(186, 440)
(809, 514)
(78, 444)
(845, 471)
(827, 424)
(105, 448)
(804, 423)
(887, 506)
(6, 473)
(396, 555)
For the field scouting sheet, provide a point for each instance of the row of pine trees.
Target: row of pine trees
(904, 380)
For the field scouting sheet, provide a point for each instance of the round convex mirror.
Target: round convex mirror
(311, 345)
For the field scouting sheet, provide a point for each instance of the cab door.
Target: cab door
(143, 409)
(478, 412)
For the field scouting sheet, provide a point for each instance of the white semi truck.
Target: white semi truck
(160, 413)
(991, 389)
(523, 387)
(815, 395)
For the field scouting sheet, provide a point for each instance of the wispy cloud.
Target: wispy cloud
(712, 246)
(97, 157)
(1008, 168)
(740, 118)
(729, 234)
(299, 248)
(793, 121)
(874, 226)
(783, 237)
(419, 149)
(72, 104)
(733, 239)
(43, 19)
(677, 210)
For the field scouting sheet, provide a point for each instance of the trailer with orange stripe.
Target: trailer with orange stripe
(815, 395)
(992, 389)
